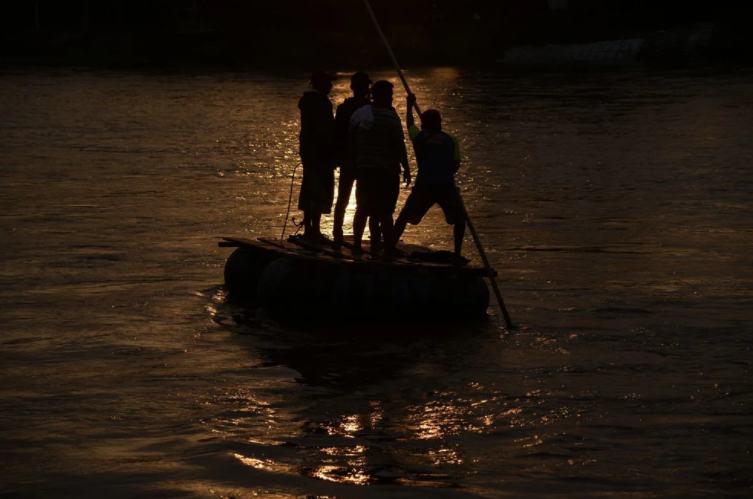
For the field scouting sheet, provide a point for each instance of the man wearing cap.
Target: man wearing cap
(438, 159)
(317, 149)
(346, 152)
(380, 144)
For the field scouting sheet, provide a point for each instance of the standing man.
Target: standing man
(380, 143)
(317, 149)
(346, 151)
(438, 159)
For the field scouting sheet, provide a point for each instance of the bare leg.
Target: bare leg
(344, 189)
(375, 232)
(388, 231)
(359, 225)
(337, 225)
(459, 233)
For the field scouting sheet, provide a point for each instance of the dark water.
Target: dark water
(616, 207)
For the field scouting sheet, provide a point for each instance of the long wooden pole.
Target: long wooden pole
(468, 220)
(489, 271)
(389, 50)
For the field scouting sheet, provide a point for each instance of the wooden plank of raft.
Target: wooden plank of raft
(314, 253)
(317, 248)
(308, 252)
(366, 258)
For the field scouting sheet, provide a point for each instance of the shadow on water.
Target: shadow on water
(342, 356)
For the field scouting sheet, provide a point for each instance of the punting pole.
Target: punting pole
(468, 220)
(482, 253)
(389, 50)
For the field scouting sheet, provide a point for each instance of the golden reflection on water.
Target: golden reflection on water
(376, 414)
(354, 473)
(344, 451)
(433, 423)
(264, 464)
(342, 474)
(440, 419)
(254, 463)
(445, 456)
(347, 427)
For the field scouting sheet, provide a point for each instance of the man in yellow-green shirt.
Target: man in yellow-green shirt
(438, 158)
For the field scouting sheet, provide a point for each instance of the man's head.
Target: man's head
(382, 93)
(360, 83)
(431, 121)
(321, 80)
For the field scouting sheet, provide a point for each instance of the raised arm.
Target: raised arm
(409, 120)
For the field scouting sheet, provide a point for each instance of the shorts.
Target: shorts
(424, 196)
(377, 190)
(317, 188)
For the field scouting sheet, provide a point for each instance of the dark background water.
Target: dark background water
(615, 205)
(339, 33)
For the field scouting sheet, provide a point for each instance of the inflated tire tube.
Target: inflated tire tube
(294, 292)
(243, 269)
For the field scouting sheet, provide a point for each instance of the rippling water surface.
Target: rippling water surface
(616, 207)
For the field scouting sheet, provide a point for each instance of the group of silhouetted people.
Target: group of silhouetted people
(365, 139)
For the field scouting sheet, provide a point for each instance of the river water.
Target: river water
(616, 206)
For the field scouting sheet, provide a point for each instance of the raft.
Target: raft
(301, 282)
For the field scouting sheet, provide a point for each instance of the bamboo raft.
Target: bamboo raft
(298, 281)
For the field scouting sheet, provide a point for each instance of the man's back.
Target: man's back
(317, 126)
(437, 156)
(383, 144)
